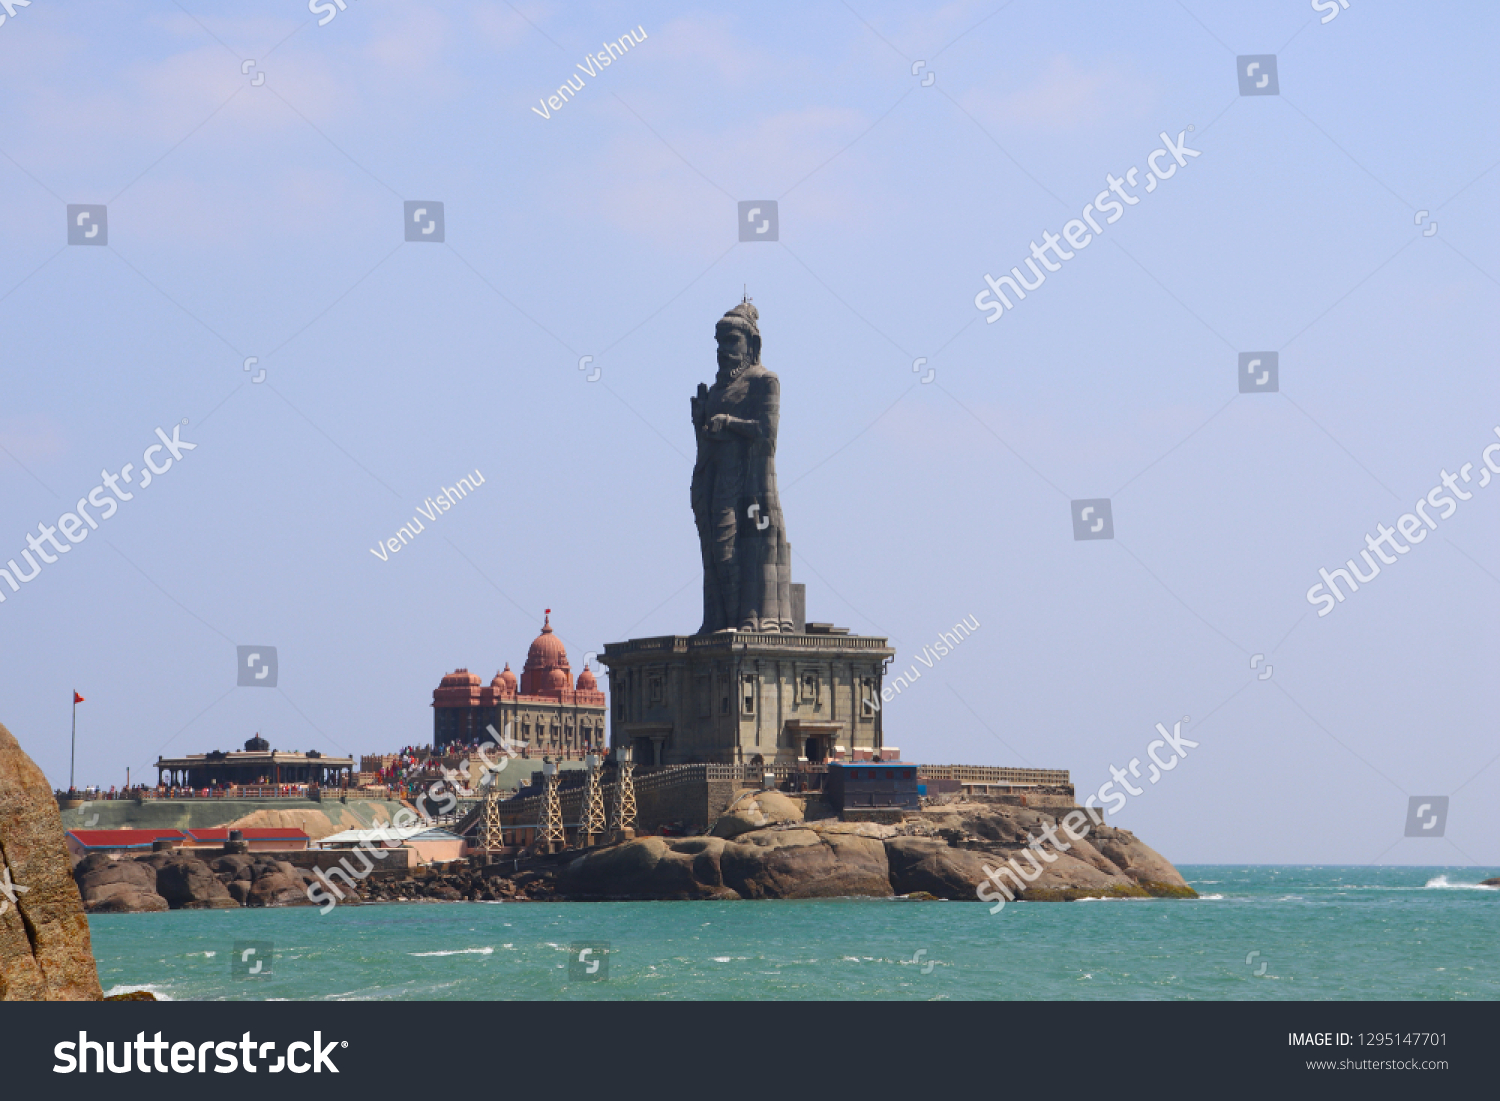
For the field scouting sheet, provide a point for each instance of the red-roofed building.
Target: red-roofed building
(83, 842)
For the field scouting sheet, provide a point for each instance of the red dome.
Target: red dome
(460, 678)
(548, 650)
(546, 667)
(586, 681)
(504, 679)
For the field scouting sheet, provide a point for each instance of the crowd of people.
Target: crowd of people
(100, 793)
(407, 774)
(174, 791)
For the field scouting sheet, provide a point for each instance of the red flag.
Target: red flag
(76, 697)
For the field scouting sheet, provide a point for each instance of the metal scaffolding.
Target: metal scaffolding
(491, 832)
(593, 825)
(622, 826)
(550, 836)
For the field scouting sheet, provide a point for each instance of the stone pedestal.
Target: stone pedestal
(732, 697)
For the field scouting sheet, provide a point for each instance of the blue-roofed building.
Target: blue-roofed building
(856, 784)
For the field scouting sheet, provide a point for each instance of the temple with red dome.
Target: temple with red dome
(548, 711)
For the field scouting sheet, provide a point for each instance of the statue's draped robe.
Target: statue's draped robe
(746, 566)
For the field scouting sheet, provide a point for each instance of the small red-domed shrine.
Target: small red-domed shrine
(547, 711)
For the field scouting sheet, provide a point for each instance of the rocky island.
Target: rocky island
(767, 845)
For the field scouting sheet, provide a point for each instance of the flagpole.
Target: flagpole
(73, 749)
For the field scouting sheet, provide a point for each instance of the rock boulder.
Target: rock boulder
(45, 950)
(188, 884)
(122, 886)
(649, 868)
(932, 866)
(805, 863)
(755, 810)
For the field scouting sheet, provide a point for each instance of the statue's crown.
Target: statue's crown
(745, 313)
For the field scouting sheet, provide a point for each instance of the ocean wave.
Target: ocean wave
(129, 988)
(1210, 898)
(457, 952)
(1440, 883)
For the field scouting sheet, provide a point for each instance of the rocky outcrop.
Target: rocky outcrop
(805, 863)
(117, 886)
(181, 881)
(1105, 862)
(764, 863)
(45, 950)
(764, 847)
(755, 810)
(177, 881)
(187, 883)
(277, 883)
(929, 865)
(675, 869)
(943, 853)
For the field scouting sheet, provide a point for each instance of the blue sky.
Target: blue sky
(266, 221)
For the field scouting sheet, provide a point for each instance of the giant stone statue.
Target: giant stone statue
(746, 557)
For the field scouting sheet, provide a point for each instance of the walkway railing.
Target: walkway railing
(985, 774)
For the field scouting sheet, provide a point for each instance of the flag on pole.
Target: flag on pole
(76, 697)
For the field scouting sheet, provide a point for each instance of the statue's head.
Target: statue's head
(739, 338)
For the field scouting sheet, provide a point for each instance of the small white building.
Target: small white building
(429, 844)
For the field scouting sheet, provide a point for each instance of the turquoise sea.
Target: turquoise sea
(1261, 933)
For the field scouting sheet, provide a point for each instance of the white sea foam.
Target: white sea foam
(127, 988)
(1210, 898)
(457, 952)
(1440, 883)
